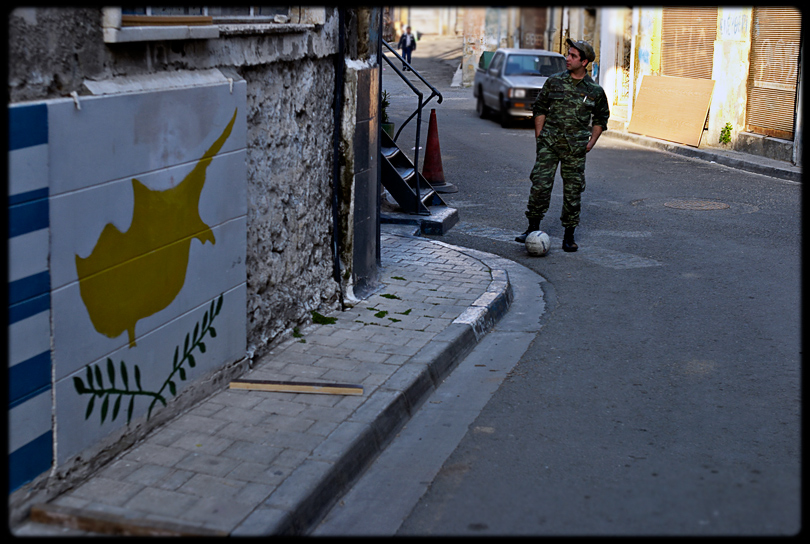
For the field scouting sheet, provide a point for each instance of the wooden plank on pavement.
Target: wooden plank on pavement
(299, 387)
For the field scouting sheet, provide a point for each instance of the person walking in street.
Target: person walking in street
(570, 113)
(407, 43)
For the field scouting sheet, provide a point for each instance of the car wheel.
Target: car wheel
(480, 107)
(505, 118)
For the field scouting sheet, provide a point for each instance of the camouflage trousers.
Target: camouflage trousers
(572, 171)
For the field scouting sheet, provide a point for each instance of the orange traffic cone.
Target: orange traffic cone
(432, 167)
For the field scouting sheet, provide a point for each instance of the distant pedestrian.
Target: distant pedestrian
(570, 113)
(407, 43)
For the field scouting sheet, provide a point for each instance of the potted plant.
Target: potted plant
(385, 122)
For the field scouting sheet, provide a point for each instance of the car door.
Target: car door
(492, 80)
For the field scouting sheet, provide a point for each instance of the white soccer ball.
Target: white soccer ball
(537, 243)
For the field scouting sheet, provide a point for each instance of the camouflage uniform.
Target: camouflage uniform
(568, 105)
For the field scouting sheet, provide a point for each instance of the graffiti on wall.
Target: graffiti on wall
(148, 242)
(733, 23)
(135, 274)
(127, 210)
(95, 375)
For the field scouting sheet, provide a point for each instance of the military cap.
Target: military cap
(583, 47)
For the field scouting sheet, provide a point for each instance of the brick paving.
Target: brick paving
(247, 463)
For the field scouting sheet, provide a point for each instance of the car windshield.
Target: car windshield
(533, 65)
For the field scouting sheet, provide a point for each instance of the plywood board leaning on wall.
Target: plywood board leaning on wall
(672, 108)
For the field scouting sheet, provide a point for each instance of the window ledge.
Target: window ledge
(156, 33)
(262, 28)
(207, 32)
(121, 28)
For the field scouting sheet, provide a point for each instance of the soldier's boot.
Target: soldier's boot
(569, 244)
(534, 224)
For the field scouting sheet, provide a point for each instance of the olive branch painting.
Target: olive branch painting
(95, 376)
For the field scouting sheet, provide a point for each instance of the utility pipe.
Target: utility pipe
(338, 109)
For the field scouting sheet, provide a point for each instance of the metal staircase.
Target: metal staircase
(419, 202)
(406, 185)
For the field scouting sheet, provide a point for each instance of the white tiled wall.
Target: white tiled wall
(91, 154)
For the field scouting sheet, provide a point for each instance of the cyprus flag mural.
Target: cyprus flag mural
(148, 221)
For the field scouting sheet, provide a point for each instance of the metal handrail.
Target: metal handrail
(418, 112)
(433, 91)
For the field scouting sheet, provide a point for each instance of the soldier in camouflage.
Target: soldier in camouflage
(570, 113)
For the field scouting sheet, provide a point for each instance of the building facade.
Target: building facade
(752, 54)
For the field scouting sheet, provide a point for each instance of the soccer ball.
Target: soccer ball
(537, 243)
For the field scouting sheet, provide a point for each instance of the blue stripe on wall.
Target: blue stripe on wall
(28, 296)
(28, 378)
(27, 308)
(30, 461)
(28, 287)
(27, 126)
(27, 217)
(28, 195)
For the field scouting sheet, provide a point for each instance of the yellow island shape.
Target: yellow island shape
(132, 275)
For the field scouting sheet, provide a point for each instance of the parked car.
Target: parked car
(507, 82)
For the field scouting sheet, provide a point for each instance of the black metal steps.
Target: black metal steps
(425, 210)
(401, 179)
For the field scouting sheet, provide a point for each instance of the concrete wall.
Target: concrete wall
(103, 113)
(360, 176)
(51, 52)
(486, 29)
(475, 43)
(610, 40)
(731, 54)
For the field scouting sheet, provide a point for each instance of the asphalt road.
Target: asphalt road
(661, 392)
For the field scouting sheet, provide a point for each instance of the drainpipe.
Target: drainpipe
(338, 109)
(796, 158)
(378, 256)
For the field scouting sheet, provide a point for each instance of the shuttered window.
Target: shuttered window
(774, 71)
(687, 41)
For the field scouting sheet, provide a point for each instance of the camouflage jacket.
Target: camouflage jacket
(571, 108)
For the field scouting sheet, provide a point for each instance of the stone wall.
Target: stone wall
(51, 51)
(290, 86)
(289, 257)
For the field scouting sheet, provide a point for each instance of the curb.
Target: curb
(791, 173)
(315, 486)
